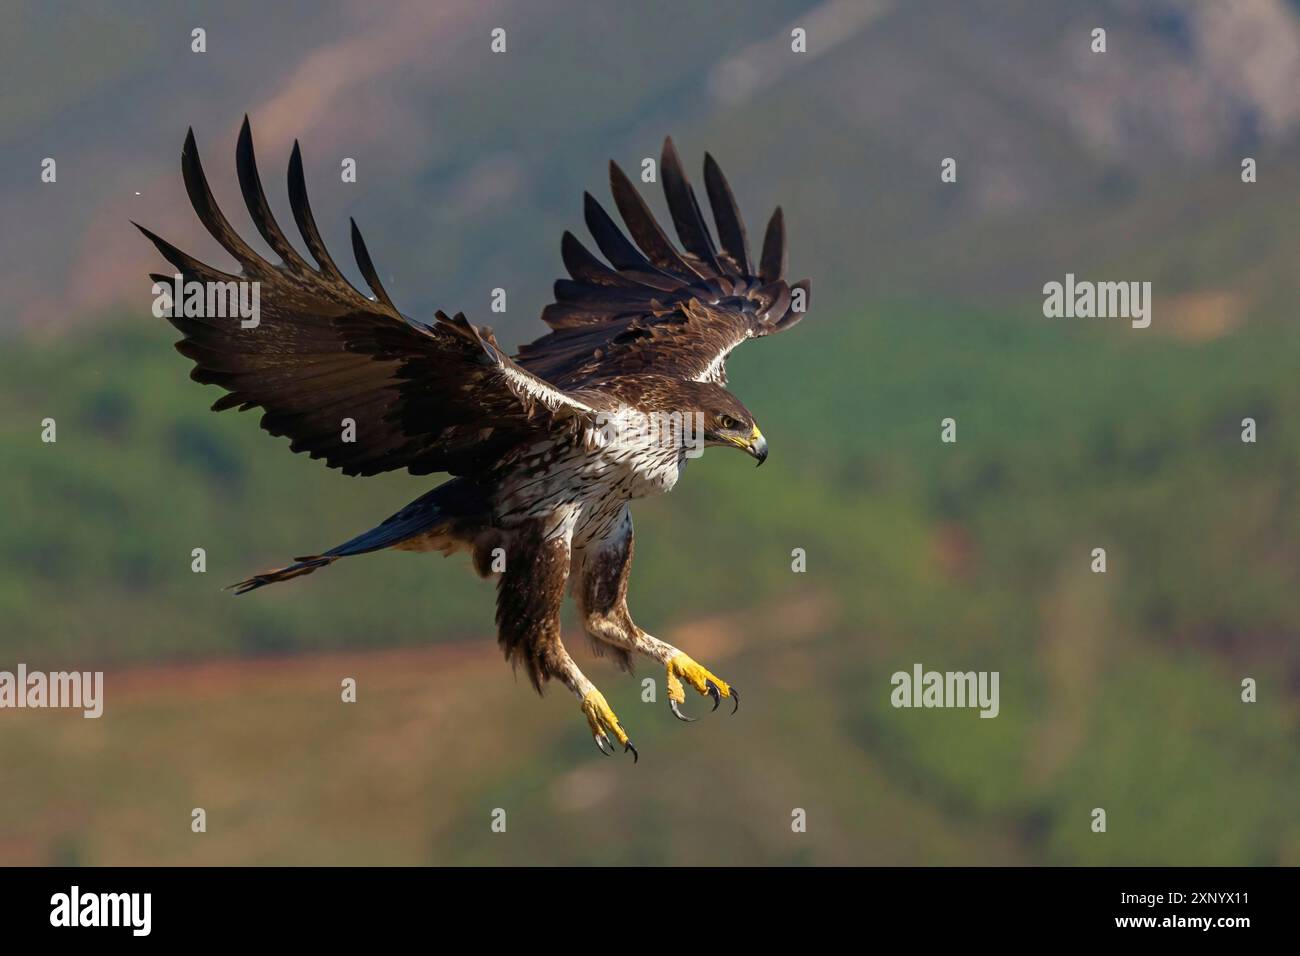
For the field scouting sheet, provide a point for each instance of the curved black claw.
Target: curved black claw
(736, 695)
(602, 742)
(677, 713)
(716, 694)
(628, 746)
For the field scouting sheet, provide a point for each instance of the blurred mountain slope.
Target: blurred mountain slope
(472, 163)
(1118, 690)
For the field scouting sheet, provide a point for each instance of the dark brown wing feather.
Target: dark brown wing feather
(657, 308)
(425, 397)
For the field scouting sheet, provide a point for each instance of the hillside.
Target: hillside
(973, 555)
(472, 164)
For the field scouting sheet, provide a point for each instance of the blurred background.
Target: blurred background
(1118, 690)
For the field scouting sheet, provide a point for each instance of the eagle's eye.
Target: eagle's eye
(729, 423)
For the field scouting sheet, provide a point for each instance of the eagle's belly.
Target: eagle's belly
(585, 486)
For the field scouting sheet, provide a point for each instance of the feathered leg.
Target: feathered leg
(601, 592)
(529, 596)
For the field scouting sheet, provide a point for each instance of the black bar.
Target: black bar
(301, 905)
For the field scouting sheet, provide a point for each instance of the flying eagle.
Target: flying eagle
(548, 447)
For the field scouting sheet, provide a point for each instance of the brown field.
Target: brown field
(438, 738)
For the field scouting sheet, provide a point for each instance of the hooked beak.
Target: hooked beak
(757, 446)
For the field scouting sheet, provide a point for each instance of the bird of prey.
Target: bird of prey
(546, 448)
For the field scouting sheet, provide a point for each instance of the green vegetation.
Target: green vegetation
(1118, 690)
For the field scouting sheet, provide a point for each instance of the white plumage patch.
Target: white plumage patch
(540, 390)
(716, 370)
(597, 473)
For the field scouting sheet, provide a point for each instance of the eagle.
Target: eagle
(545, 449)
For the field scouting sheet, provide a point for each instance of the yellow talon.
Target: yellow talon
(684, 667)
(604, 722)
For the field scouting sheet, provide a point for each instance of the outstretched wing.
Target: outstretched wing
(425, 397)
(657, 308)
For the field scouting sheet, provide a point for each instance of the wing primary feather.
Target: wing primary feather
(210, 214)
(777, 295)
(182, 260)
(250, 184)
(641, 223)
(772, 265)
(726, 214)
(368, 267)
(792, 317)
(583, 266)
(610, 239)
(685, 209)
(302, 215)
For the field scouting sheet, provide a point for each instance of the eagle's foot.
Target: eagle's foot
(682, 667)
(604, 725)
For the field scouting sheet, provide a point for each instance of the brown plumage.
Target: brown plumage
(678, 313)
(548, 447)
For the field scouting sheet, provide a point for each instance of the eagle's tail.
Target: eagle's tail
(458, 500)
(300, 567)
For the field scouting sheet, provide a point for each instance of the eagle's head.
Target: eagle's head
(725, 420)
